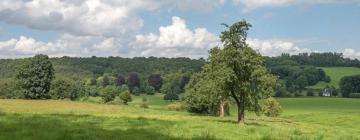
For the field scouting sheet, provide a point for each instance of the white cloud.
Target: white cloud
(89, 17)
(351, 53)
(176, 40)
(254, 4)
(275, 47)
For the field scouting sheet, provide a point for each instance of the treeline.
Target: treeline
(35, 79)
(80, 68)
(327, 59)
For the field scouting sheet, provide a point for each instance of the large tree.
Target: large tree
(238, 70)
(155, 81)
(34, 77)
(133, 81)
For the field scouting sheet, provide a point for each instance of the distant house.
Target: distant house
(326, 92)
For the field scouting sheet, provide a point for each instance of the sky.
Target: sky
(175, 28)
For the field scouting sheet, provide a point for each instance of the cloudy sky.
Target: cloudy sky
(174, 28)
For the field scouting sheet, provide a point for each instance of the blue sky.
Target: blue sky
(172, 28)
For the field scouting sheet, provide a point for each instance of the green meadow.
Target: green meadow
(336, 73)
(303, 118)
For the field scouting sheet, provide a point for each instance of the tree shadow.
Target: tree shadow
(86, 127)
(247, 123)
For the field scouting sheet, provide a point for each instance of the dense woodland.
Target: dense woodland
(295, 72)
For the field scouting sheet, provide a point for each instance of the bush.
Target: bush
(310, 93)
(149, 90)
(327, 79)
(136, 91)
(177, 106)
(271, 107)
(109, 93)
(144, 105)
(350, 84)
(125, 97)
(354, 95)
(171, 97)
(63, 89)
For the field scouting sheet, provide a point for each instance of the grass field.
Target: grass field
(303, 118)
(336, 73)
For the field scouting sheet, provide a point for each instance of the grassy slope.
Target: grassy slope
(303, 118)
(336, 73)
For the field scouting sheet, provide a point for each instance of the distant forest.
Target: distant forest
(79, 68)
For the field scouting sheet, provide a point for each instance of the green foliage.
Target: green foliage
(327, 59)
(336, 73)
(133, 81)
(125, 97)
(246, 80)
(176, 106)
(62, 88)
(310, 92)
(34, 77)
(149, 90)
(271, 107)
(350, 84)
(155, 81)
(8, 89)
(354, 95)
(171, 97)
(109, 93)
(136, 91)
(172, 83)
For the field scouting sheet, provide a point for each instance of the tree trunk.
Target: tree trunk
(222, 111)
(241, 111)
(241, 115)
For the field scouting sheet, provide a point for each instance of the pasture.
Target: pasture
(336, 73)
(303, 118)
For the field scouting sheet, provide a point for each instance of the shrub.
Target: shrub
(62, 89)
(310, 93)
(109, 93)
(354, 95)
(144, 105)
(177, 106)
(125, 97)
(171, 96)
(271, 107)
(136, 91)
(149, 90)
(350, 84)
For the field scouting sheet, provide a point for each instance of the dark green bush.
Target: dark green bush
(354, 95)
(171, 97)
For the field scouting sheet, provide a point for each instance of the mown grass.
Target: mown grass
(303, 118)
(336, 73)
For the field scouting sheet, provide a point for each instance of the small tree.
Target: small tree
(125, 97)
(109, 93)
(271, 107)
